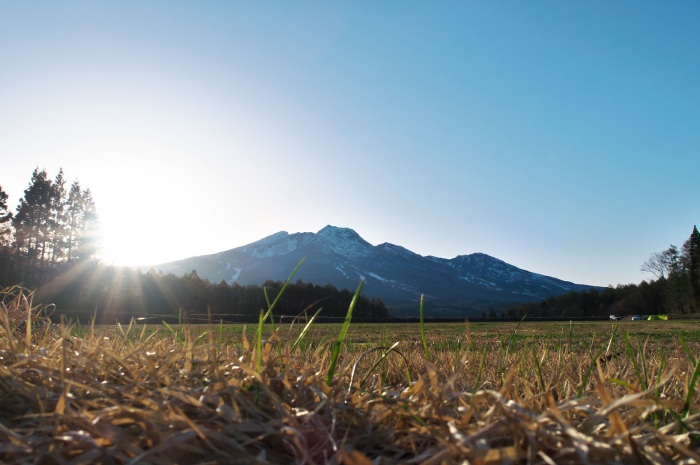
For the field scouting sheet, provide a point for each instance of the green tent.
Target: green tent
(658, 317)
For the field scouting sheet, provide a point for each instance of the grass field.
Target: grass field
(482, 393)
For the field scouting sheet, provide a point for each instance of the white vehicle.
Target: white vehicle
(615, 317)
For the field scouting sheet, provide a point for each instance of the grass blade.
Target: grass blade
(631, 353)
(341, 337)
(270, 306)
(304, 331)
(691, 389)
(481, 368)
(221, 336)
(687, 349)
(584, 382)
(659, 372)
(538, 368)
(176, 334)
(512, 336)
(422, 331)
(258, 343)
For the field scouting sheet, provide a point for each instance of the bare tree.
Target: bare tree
(656, 265)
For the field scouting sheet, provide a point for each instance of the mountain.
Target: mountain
(465, 285)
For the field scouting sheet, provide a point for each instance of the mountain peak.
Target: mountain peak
(273, 238)
(334, 230)
(345, 241)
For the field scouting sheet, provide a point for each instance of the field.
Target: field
(542, 393)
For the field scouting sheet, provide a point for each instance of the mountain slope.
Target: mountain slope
(459, 286)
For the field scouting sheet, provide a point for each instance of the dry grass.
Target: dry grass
(127, 395)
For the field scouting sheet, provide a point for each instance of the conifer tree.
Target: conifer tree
(33, 220)
(89, 228)
(57, 220)
(74, 218)
(691, 263)
(5, 217)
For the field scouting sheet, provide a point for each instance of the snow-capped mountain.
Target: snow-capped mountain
(396, 275)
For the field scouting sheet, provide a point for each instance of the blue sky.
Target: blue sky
(561, 137)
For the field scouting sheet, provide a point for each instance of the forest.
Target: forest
(51, 245)
(54, 228)
(675, 290)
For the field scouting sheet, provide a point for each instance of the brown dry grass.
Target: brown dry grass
(129, 396)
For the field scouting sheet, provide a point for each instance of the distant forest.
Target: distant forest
(675, 290)
(51, 244)
(121, 293)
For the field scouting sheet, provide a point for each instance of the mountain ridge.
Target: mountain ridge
(460, 286)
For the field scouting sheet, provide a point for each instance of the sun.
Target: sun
(122, 250)
(141, 240)
(133, 243)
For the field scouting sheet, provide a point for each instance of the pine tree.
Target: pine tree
(81, 224)
(57, 221)
(74, 218)
(5, 215)
(5, 218)
(691, 263)
(33, 220)
(89, 228)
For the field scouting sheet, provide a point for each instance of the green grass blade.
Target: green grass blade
(304, 331)
(538, 367)
(383, 357)
(687, 349)
(691, 389)
(341, 337)
(176, 334)
(221, 336)
(266, 315)
(270, 306)
(481, 368)
(584, 382)
(612, 339)
(267, 298)
(659, 372)
(422, 330)
(643, 354)
(623, 383)
(258, 343)
(632, 355)
(512, 336)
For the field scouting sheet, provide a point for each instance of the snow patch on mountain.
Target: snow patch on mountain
(479, 281)
(234, 276)
(340, 268)
(378, 278)
(283, 245)
(345, 242)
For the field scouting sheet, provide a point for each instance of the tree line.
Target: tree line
(675, 290)
(53, 227)
(112, 294)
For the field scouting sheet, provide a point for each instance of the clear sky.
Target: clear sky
(560, 137)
